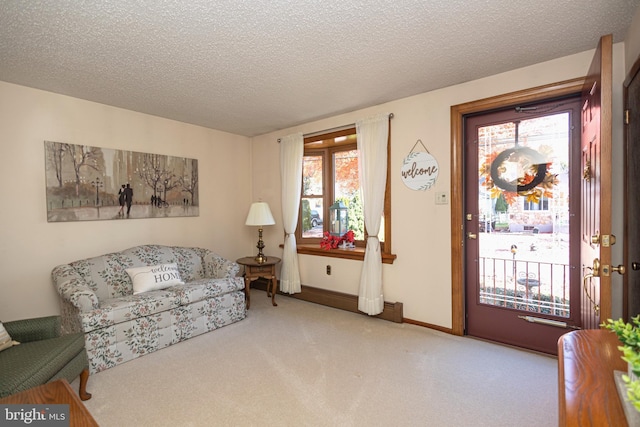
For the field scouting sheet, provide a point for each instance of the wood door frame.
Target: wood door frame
(553, 90)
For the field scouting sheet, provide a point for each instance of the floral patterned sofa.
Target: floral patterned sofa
(97, 298)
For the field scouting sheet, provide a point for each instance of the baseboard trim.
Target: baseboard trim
(429, 325)
(392, 310)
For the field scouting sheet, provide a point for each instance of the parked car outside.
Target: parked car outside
(315, 218)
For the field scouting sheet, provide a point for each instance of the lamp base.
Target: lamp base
(260, 258)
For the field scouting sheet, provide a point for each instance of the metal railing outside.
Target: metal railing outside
(538, 287)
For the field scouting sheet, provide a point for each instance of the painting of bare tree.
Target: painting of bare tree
(87, 183)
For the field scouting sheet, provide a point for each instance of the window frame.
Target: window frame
(542, 205)
(323, 144)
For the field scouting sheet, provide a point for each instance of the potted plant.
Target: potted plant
(629, 336)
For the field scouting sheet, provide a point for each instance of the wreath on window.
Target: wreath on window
(536, 180)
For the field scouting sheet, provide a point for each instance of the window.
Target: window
(541, 204)
(329, 176)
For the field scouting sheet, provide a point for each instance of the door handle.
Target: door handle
(472, 236)
(595, 272)
(635, 266)
(607, 270)
(620, 269)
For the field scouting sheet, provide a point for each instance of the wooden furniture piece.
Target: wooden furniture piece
(253, 270)
(55, 392)
(587, 394)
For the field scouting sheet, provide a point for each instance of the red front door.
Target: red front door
(531, 300)
(596, 239)
(522, 223)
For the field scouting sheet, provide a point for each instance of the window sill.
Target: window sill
(355, 254)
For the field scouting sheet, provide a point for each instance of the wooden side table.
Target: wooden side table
(253, 271)
(587, 393)
(55, 392)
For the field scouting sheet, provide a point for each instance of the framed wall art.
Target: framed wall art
(87, 183)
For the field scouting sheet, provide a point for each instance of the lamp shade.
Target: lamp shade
(260, 214)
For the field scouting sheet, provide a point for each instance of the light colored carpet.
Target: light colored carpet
(302, 364)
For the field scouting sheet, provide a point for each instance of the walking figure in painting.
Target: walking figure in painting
(121, 200)
(128, 198)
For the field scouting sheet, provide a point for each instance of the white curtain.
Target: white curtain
(291, 152)
(373, 135)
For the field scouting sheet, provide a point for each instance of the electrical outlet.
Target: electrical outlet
(328, 270)
(442, 198)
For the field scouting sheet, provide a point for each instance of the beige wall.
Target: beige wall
(632, 42)
(421, 276)
(234, 171)
(30, 246)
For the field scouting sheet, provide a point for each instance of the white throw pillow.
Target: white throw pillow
(5, 339)
(154, 277)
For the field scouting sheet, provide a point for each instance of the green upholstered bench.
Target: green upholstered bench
(43, 355)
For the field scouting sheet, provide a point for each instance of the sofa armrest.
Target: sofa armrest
(217, 267)
(40, 328)
(74, 289)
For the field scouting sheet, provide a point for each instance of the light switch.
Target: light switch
(442, 198)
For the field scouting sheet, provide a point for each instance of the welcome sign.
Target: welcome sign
(419, 170)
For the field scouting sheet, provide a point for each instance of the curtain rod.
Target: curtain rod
(336, 129)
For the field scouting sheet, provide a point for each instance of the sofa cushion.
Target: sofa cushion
(217, 267)
(189, 260)
(117, 310)
(106, 275)
(199, 290)
(122, 309)
(37, 362)
(154, 277)
(190, 263)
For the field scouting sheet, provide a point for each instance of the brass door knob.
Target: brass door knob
(620, 269)
(472, 236)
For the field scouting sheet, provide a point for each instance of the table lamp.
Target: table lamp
(260, 215)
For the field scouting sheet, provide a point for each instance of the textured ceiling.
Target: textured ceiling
(254, 66)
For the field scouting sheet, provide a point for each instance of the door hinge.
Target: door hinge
(626, 117)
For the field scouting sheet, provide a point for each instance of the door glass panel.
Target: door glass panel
(523, 201)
